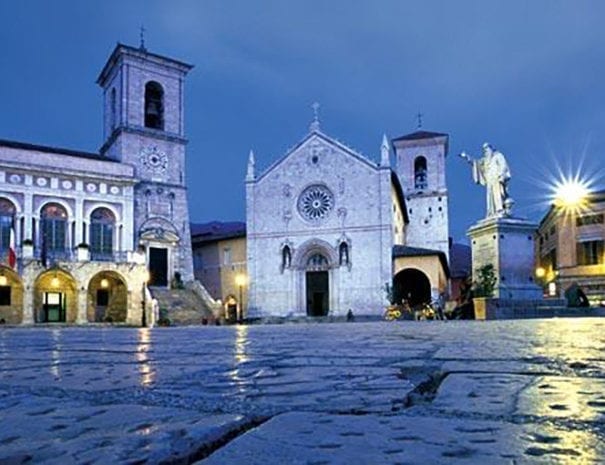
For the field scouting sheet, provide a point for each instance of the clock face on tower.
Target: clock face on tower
(154, 159)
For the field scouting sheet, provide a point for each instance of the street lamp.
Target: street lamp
(144, 300)
(571, 194)
(240, 281)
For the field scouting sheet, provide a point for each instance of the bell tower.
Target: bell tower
(143, 101)
(420, 165)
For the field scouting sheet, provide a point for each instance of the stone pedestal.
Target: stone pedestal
(508, 244)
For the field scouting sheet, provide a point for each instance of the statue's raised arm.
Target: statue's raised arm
(492, 171)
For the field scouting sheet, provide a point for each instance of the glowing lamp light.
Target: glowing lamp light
(104, 283)
(240, 280)
(3, 280)
(54, 282)
(570, 193)
(540, 272)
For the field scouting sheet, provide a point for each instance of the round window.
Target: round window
(315, 202)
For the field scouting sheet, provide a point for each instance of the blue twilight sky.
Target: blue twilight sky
(524, 75)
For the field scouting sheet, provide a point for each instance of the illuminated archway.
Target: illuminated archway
(11, 296)
(107, 299)
(55, 297)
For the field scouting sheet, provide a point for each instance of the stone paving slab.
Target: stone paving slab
(301, 438)
(76, 432)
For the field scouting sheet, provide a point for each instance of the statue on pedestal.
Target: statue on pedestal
(492, 171)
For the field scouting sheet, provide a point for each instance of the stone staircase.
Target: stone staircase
(187, 306)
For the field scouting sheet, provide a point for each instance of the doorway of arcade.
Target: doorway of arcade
(53, 309)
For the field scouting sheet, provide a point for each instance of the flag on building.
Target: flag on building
(12, 252)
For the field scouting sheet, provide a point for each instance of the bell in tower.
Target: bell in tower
(154, 108)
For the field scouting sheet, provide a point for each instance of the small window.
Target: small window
(587, 220)
(5, 296)
(227, 256)
(113, 109)
(589, 252)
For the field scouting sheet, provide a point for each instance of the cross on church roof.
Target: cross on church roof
(315, 123)
(142, 37)
(419, 116)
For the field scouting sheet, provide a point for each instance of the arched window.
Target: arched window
(343, 253)
(420, 173)
(112, 104)
(317, 262)
(154, 105)
(7, 222)
(54, 228)
(102, 226)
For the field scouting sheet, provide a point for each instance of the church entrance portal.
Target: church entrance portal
(412, 285)
(318, 296)
(158, 266)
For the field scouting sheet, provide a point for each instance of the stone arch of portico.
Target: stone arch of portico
(112, 286)
(12, 284)
(300, 265)
(413, 285)
(53, 281)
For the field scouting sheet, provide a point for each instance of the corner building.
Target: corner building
(88, 230)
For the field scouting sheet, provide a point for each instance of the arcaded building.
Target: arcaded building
(82, 234)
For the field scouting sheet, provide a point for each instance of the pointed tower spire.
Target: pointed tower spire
(385, 159)
(250, 173)
(315, 123)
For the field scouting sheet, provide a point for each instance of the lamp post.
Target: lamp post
(144, 300)
(240, 280)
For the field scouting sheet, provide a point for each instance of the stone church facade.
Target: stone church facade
(82, 234)
(328, 229)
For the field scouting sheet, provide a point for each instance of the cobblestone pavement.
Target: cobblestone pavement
(509, 392)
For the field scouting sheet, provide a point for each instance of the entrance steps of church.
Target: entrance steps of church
(187, 306)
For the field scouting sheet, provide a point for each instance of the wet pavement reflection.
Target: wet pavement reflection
(509, 392)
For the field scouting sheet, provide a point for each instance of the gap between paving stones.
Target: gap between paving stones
(208, 448)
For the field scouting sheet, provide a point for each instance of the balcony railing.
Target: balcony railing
(117, 257)
(67, 255)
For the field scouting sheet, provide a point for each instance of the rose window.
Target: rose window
(315, 202)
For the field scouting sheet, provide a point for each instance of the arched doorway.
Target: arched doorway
(107, 298)
(55, 299)
(317, 281)
(160, 238)
(11, 296)
(231, 309)
(412, 285)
